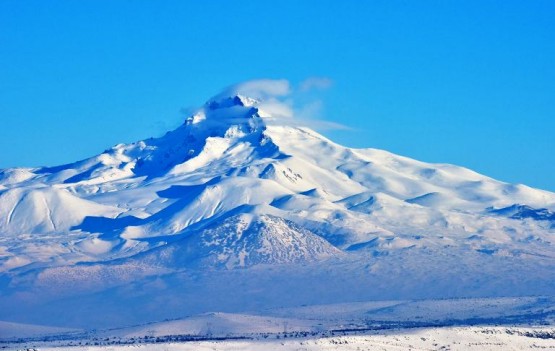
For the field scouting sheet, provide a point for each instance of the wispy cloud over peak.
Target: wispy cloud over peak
(280, 103)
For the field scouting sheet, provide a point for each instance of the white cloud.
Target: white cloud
(315, 83)
(281, 105)
(277, 108)
(310, 110)
(260, 89)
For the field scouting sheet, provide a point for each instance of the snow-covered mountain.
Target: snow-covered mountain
(239, 207)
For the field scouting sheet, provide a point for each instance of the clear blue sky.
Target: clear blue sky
(464, 82)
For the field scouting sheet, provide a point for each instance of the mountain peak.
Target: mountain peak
(231, 101)
(222, 112)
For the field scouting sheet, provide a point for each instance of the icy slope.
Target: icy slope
(240, 186)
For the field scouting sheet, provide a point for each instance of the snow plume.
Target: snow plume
(281, 104)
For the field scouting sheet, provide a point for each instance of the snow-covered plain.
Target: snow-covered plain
(460, 324)
(240, 209)
(455, 339)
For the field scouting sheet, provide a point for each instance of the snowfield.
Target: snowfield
(448, 338)
(455, 339)
(460, 324)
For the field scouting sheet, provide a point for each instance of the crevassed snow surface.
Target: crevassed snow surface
(235, 210)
